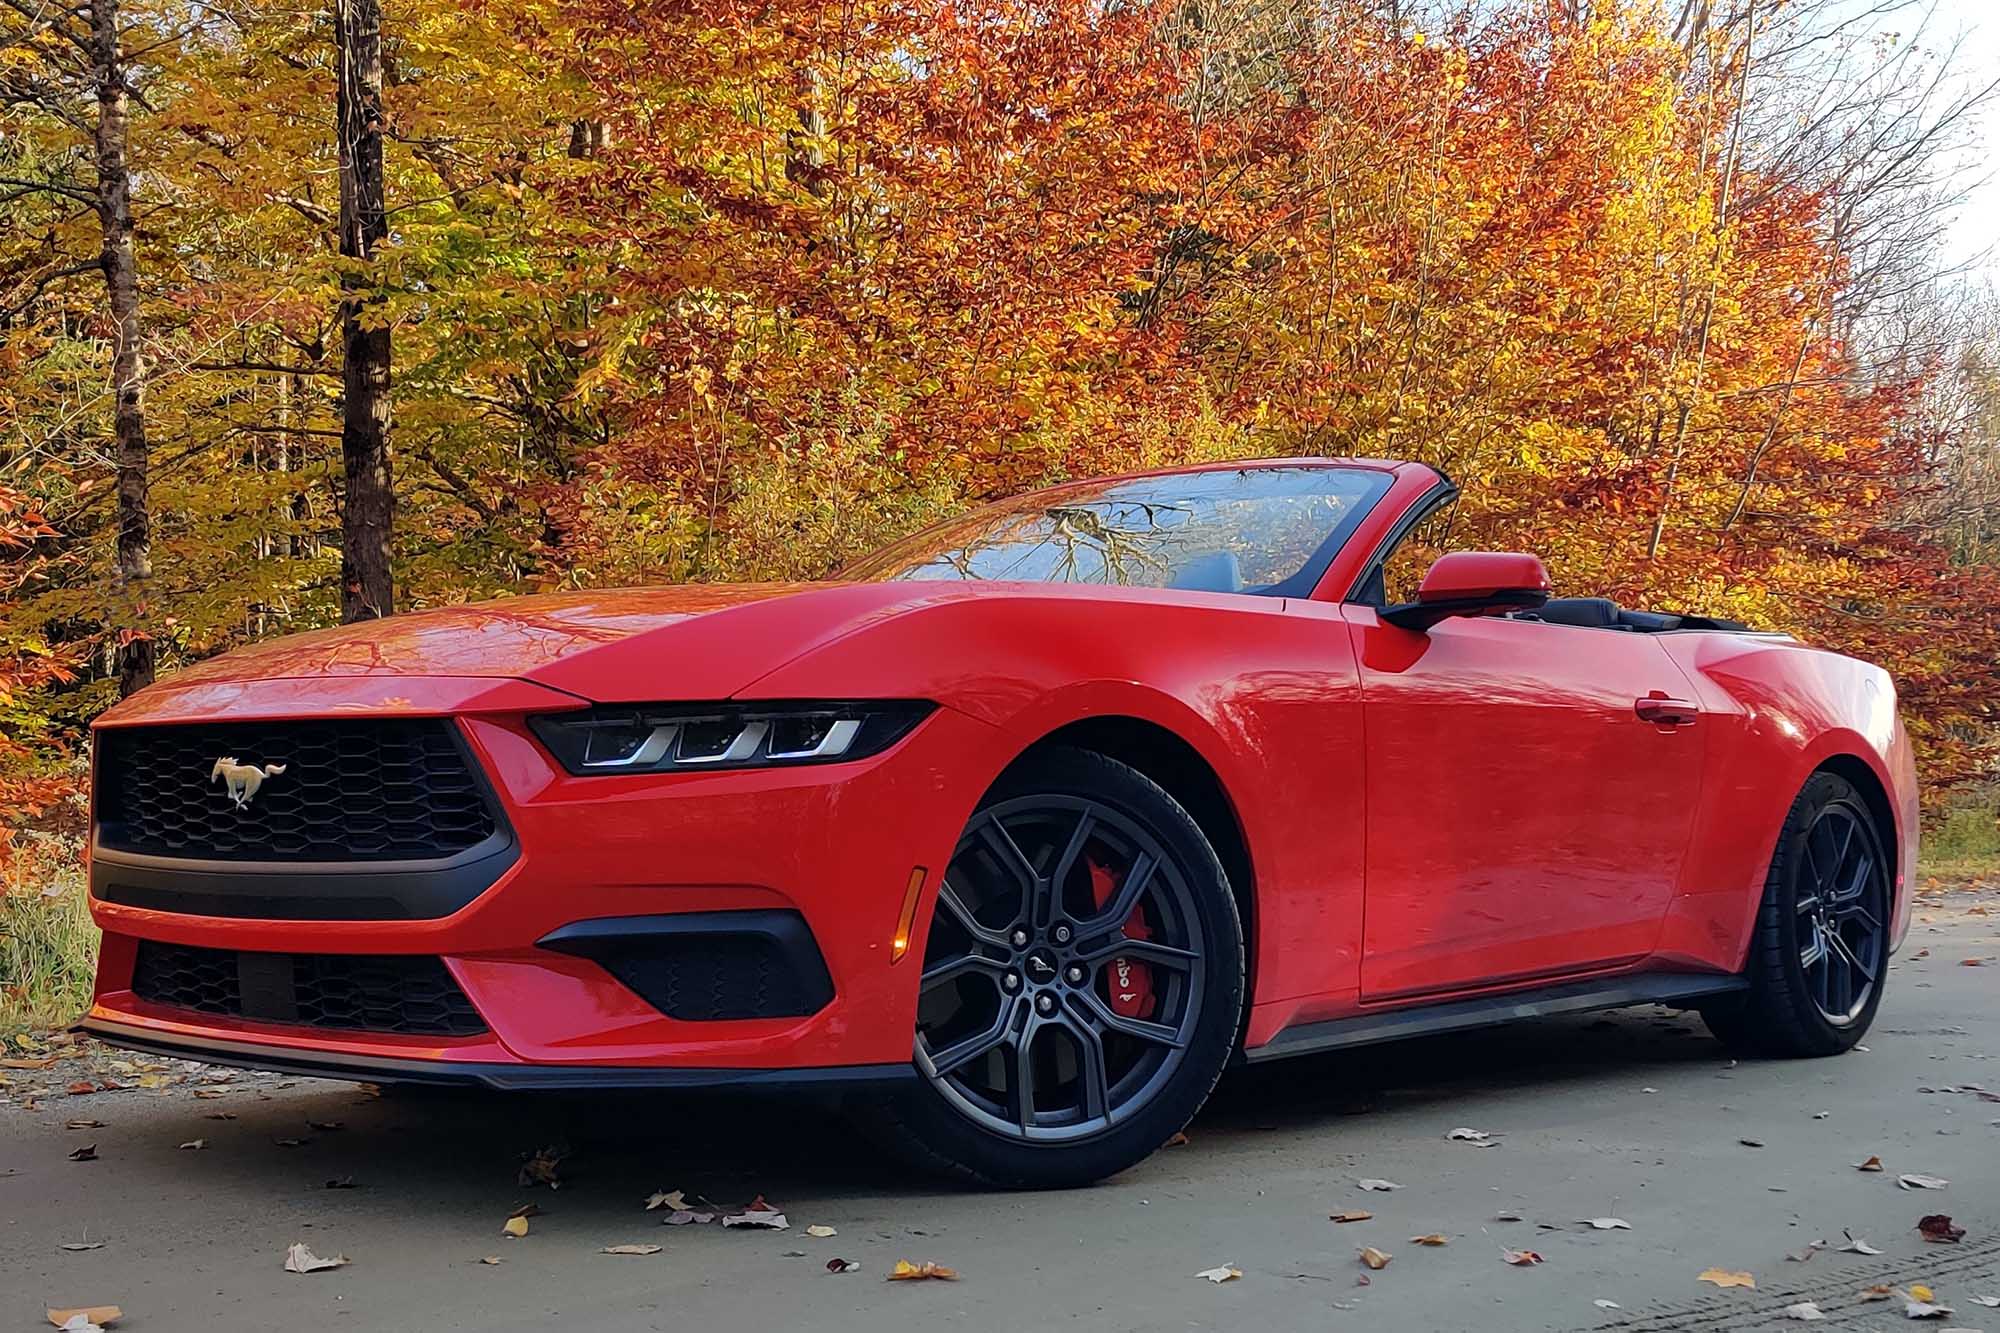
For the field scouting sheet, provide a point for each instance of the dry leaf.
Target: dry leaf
(516, 1227)
(194, 1145)
(671, 1200)
(905, 1271)
(82, 1087)
(220, 1115)
(761, 1219)
(1179, 1140)
(1916, 1182)
(633, 1249)
(539, 1168)
(93, 1316)
(1520, 1258)
(821, 1232)
(1872, 1164)
(1990, 1302)
(1463, 1135)
(1507, 1215)
(87, 1153)
(1855, 1246)
(687, 1216)
(1374, 1258)
(1972, 962)
(84, 1124)
(1938, 1227)
(1751, 1143)
(1434, 1238)
(1603, 1304)
(492, 1259)
(1802, 1256)
(291, 1143)
(1881, 1291)
(1372, 1184)
(1226, 1273)
(1921, 1292)
(1805, 1310)
(299, 1259)
(1916, 1309)
(842, 1266)
(340, 1183)
(327, 1126)
(80, 1245)
(1722, 1277)
(209, 1094)
(1351, 1215)
(1607, 1223)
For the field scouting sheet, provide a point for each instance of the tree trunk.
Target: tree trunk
(367, 589)
(134, 561)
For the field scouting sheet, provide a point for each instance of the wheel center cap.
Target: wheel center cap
(1040, 966)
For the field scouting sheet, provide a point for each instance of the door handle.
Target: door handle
(1657, 707)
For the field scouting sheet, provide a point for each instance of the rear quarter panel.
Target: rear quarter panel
(1776, 710)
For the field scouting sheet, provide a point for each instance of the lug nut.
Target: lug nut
(1010, 982)
(1062, 934)
(1075, 974)
(1045, 1004)
(1020, 938)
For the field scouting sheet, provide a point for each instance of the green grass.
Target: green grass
(1965, 844)
(48, 945)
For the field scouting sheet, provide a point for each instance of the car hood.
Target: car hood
(693, 641)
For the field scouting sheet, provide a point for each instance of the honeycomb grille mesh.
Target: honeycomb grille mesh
(398, 993)
(714, 977)
(390, 789)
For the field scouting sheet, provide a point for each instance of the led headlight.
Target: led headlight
(690, 738)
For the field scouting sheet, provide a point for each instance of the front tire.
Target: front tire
(1820, 951)
(1083, 980)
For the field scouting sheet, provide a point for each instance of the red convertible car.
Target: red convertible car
(1027, 825)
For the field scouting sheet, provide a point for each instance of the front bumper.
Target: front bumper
(834, 844)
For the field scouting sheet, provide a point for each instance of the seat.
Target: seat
(1587, 612)
(1218, 571)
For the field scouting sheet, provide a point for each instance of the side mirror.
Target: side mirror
(1473, 583)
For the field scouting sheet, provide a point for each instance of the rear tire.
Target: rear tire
(1085, 947)
(1819, 953)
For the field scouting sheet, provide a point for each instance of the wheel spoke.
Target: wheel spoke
(971, 1048)
(1022, 1084)
(1066, 862)
(1092, 1081)
(1141, 951)
(1101, 1016)
(1815, 949)
(1857, 881)
(1121, 908)
(997, 839)
(1852, 959)
(1832, 878)
(950, 903)
(964, 965)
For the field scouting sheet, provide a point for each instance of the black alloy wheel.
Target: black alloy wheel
(1082, 978)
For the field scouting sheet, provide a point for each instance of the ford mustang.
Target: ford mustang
(1018, 832)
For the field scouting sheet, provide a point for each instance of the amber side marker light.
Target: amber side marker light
(901, 944)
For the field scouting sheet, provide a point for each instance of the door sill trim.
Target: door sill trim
(1424, 1020)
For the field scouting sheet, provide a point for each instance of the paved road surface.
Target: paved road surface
(1640, 1117)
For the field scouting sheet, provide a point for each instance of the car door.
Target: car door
(1523, 819)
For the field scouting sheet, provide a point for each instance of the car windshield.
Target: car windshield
(1265, 530)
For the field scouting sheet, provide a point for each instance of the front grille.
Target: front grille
(708, 966)
(399, 993)
(360, 789)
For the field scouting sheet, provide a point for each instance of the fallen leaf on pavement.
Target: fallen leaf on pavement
(1972, 962)
(1520, 1258)
(905, 1271)
(1805, 1310)
(1351, 1215)
(1507, 1215)
(671, 1200)
(633, 1249)
(340, 1183)
(299, 1259)
(42, 1063)
(1603, 1304)
(79, 1245)
(1607, 1223)
(87, 1153)
(1722, 1277)
(1990, 1302)
(1915, 1182)
(220, 1115)
(291, 1143)
(194, 1145)
(327, 1126)
(1179, 1140)
(821, 1232)
(492, 1259)
(81, 1088)
(758, 1216)
(1916, 1309)
(842, 1266)
(93, 1316)
(84, 1124)
(686, 1217)
(1801, 1256)
(1881, 1291)
(1857, 1246)
(1872, 1164)
(1374, 1258)
(516, 1227)
(209, 1094)
(1373, 1184)
(1462, 1135)
(1938, 1227)
(1434, 1238)
(1751, 1143)
(1918, 1291)
(539, 1167)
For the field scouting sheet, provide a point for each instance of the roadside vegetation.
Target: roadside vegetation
(737, 290)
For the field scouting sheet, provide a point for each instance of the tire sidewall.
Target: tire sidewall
(1825, 791)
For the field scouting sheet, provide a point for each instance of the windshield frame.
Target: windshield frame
(1300, 583)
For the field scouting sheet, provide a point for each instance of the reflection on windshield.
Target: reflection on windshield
(1258, 530)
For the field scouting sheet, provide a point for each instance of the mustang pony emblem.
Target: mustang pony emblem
(243, 780)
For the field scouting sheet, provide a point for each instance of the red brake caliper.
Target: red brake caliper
(1131, 982)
